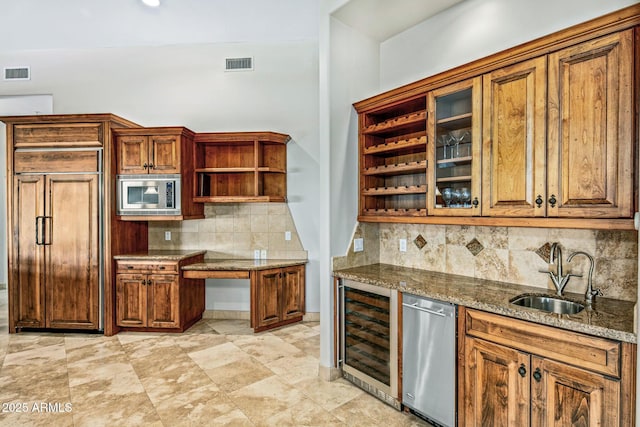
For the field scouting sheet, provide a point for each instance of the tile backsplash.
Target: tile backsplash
(233, 230)
(507, 254)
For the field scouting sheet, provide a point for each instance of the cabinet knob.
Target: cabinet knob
(539, 201)
(149, 282)
(537, 375)
(522, 370)
(553, 200)
(152, 166)
(475, 202)
(145, 165)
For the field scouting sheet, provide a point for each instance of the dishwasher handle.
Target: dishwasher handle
(440, 312)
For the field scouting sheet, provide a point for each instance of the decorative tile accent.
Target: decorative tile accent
(544, 251)
(475, 247)
(420, 241)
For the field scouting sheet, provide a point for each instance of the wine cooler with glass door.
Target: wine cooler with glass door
(454, 125)
(368, 348)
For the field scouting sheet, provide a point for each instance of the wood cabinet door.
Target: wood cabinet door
(496, 382)
(293, 300)
(590, 135)
(163, 301)
(72, 251)
(513, 147)
(564, 395)
(26, 287)
(133, 154)
(455, 110)
(267, 297)
(164, 154)
(131, 300)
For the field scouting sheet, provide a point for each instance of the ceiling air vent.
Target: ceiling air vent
(239, 64)
(17, 73)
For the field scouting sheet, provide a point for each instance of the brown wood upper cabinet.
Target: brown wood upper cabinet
(152, 150)
(538, 135)
(454, 120)
(590, 129)
(514, 139)
(586, 121)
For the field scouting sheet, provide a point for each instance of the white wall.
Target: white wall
(186, 85)
(474, 29)
(354, 75)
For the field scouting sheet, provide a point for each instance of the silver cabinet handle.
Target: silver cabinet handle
(426, 310)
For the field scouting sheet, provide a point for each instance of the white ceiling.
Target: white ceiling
(382, 19)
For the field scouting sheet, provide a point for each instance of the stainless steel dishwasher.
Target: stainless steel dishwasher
(429, 358)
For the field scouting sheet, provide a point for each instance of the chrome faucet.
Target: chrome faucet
(591, 293)
(558, 279)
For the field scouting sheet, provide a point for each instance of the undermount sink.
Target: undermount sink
(548, 303)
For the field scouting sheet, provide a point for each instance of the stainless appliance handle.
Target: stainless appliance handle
(426, 310)
(339, 301)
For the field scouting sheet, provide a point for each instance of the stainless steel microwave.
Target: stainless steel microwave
(148, 194)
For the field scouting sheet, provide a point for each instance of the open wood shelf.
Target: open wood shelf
(393, 159)
(398, 145)
(386, 191)
(397, 123)
(394, 212)
(235, 167)
(397, 169)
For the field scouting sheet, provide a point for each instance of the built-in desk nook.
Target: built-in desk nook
(165, 289)
(276, 286)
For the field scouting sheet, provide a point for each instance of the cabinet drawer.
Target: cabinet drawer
(146, 267)
(593, 353)
(58, 135)
(56, 161)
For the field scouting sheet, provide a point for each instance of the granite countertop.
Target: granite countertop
(159, 255)
(243, 264)
(608, 318)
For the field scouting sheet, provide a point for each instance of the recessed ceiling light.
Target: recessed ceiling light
(151, 3)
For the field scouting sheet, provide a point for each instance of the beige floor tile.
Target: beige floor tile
(124, 410)
(197, 407)
(329, 395)
(369, 411)
(197, 342)
(296, 332)
(216, 356)
(296, 368)
(310, 346)
(304, 413)
(265, 398)
(33, 418)
(266, 347)
(238, 374)
(231, 327)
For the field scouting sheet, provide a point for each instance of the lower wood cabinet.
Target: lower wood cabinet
(154, 295)
(516, 373)
(278, 297)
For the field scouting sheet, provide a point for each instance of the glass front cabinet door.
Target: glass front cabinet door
(454, 129)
